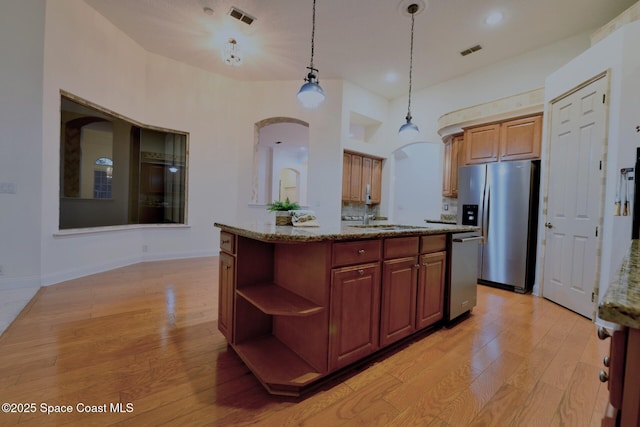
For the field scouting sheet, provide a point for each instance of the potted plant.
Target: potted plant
(281, 209)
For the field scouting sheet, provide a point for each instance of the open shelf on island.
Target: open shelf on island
(277, 367)
(276, 300)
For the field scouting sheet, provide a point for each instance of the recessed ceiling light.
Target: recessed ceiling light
(494, 18)
(391, 77)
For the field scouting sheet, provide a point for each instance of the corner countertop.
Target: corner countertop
(277, 233)
(621, 303)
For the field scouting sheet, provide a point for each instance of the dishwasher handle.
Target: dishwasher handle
(467, 239)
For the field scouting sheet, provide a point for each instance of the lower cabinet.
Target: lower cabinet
(431, 279)
(226, 280)
(398, 314)
(355, 313)
(297, 312)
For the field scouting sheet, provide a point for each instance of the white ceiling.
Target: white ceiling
(362, 41)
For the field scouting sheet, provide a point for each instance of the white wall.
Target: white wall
(617, 53)
(21, 157)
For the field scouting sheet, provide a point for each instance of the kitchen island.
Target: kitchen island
(621, 305)
(300, 304)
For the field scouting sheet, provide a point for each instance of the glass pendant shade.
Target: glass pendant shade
(408, 131)
(310, 94)
(173, 169)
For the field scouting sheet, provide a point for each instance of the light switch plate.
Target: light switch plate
(8, 187)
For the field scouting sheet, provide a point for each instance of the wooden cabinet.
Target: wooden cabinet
(226, 284)
(431, 281)
(412, 291)
(398, 314)
(453, 150)
(357, 171)
(355, 313)
(226, 275)
(516, 139)
(521, 139)
(482, 144)
(623, 376)
(295, 312)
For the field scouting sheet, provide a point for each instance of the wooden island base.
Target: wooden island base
(300, 311)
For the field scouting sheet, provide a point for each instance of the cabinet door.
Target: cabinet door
(482, 144)
(430, 301)
(521, 139)
(356, 179)
(226, 286)
(367, 176)
(354, 314)
(346, 176)
(446, 179)
(376, 181)
(456, 154)
(398, 312)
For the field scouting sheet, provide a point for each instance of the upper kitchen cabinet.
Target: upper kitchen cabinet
(482, 144)
(521, 139)
(453, 156)
(358, 170)
(516, 139)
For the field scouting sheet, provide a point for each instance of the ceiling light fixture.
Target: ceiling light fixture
(231, 53)
(409, 130)
(493, 18)
(311, 94)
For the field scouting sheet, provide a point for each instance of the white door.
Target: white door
(575, 197)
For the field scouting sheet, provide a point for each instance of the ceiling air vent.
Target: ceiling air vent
(471, 50)
(241, 16)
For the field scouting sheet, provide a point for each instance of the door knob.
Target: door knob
(548, 225)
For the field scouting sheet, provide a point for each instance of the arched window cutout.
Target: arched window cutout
(280, 143)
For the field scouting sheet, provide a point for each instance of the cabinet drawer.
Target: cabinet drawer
(434, 243)
(398, 247)
(355, 252)
(227, 242)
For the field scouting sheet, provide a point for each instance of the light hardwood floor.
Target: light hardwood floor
(146, 335)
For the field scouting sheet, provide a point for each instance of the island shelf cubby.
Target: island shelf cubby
(278, 309)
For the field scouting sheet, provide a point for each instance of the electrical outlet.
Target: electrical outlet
(445, 207)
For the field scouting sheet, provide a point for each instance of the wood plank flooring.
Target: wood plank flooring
(146, 335)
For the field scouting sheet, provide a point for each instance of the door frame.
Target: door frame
(544, 187)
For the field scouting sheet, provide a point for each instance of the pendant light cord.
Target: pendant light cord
(313, 35)
(410, 64)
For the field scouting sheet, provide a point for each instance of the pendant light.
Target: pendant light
(408, 130)
(311, 94)
(173, 168)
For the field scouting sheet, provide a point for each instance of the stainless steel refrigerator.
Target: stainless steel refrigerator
(502, 199)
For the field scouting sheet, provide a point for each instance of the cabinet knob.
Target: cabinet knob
(603, 334)
(225, 241)
(417, 266)
(361, 272)
(226, 267)
(606, 361)
(361, 251)
(604, 377)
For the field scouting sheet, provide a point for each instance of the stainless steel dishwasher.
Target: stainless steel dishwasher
(463, 273)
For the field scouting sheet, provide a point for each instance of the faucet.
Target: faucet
(367, 202)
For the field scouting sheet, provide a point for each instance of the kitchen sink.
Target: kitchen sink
(390, 226)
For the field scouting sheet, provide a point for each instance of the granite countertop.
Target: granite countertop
(270, 232)
(621, 303)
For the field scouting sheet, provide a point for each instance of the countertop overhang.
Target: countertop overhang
(621, 303)
(269, 232)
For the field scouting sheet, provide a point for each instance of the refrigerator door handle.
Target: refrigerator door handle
(485, 214)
